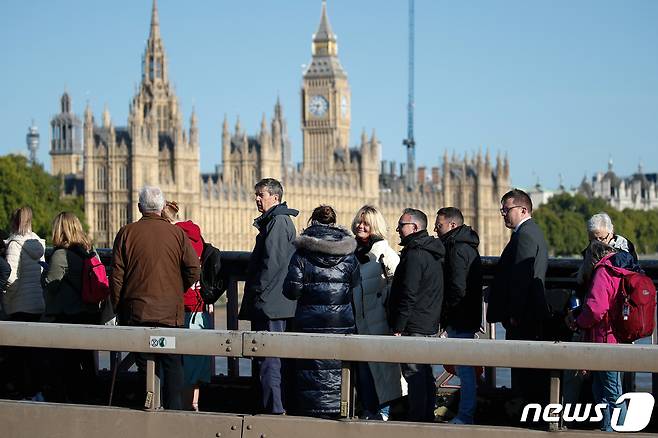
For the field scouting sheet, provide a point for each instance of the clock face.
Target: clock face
(318, 105)
(343, 105)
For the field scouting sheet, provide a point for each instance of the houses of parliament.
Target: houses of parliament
(108, 164)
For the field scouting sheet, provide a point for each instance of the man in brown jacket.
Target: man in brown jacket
(153, 264)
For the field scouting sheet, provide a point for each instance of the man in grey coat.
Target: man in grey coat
(263, 302)
(516, 298)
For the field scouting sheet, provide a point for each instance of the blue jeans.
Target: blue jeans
(467, 381)
(606, 387)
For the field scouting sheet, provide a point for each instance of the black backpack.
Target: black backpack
(212, 284)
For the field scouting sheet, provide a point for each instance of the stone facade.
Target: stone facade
(637, 192)
(155, 149)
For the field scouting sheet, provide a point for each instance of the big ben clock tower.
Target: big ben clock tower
(325, 104)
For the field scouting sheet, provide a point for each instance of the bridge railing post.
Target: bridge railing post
(152, 401)
(346, 400)
(554, 396)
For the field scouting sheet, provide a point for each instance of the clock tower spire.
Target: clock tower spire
(325, 104)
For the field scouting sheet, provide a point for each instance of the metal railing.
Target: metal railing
(347, 348)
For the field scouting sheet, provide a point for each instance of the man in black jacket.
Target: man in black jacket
(415, 304)
(517, 296)
(462, 302)
(263, 302)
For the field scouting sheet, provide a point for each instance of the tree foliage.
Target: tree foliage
(564, 222)
(26, 184)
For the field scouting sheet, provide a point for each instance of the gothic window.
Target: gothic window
(101, 217)
(123, 177)
(151, 68)
(236, 176)
(123, 215)
(101, 178)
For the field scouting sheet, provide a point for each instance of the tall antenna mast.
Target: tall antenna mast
(409, 142)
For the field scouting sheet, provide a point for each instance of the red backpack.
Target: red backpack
(95, 285)
(634, 312)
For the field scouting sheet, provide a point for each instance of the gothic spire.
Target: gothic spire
(154, 67)
(155, 22)
(324, 40)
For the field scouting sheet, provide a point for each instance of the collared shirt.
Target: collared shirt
(521, 223)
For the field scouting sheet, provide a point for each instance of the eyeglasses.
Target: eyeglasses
(506, 210)
(603, 239)
(402, 224)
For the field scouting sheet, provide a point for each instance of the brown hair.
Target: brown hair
(324, 214)
(519, 197)
(21, 221)
(170, 211)
(68, 232)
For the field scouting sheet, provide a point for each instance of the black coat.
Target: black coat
(268, 264)
(462, 273)
(417, 289)
(321, 275)
(518, 288)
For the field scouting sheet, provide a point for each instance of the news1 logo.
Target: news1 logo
(638, 412)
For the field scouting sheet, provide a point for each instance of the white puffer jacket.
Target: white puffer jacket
(24, 293)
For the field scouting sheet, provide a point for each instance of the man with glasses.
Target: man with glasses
(516, 297)
(415, 304)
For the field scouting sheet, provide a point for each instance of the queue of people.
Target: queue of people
(324, 280)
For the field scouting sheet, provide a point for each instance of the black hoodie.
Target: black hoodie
(417, 289)
(462, 304)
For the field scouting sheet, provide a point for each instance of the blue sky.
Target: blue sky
(561, 86)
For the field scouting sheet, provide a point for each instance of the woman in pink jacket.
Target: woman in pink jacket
(608, 269)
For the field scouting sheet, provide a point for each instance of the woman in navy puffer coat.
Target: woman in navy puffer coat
(321, 275)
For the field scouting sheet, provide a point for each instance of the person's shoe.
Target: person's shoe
(458, 420)
(38, 397)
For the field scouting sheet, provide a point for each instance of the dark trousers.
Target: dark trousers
(422, 390)
(26, 363)
(71, 374)
(269, 370)
(532, 385)
(169, 368)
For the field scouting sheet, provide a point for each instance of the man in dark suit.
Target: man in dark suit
(516, 298)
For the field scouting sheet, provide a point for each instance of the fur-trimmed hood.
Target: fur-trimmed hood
(330, 240)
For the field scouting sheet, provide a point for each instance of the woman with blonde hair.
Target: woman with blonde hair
(73, 375)
(377, 383)
(23, 298)
(196, 369)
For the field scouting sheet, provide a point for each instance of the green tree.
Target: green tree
(563, 219)
(26, 184)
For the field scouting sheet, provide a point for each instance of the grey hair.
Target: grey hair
(417, 216)
(151, 199)
(600, 221)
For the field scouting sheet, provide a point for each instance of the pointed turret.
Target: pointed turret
(374, 143)
(238, 126)
(264, 137)
(107, 120)
(155, 21)
(194, 130)
(324, 40)
(364, 138)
